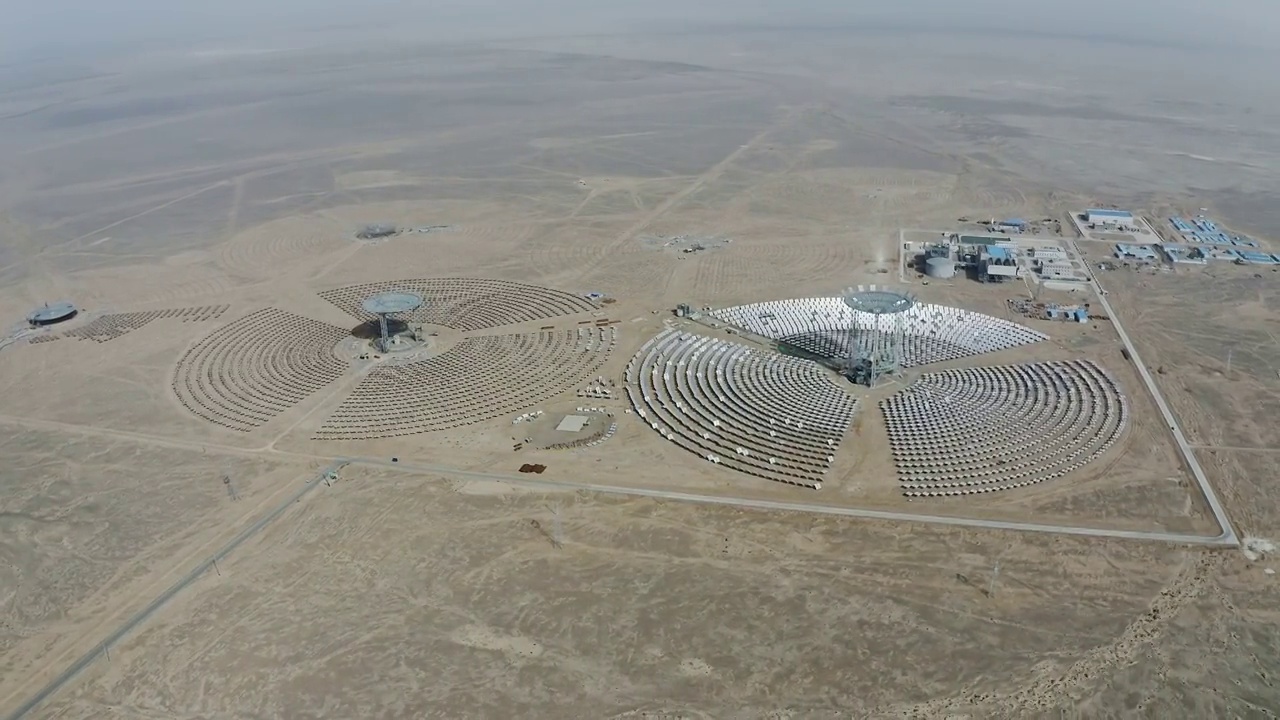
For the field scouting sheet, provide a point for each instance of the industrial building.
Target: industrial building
(993, 259)
(1043, 254)
(984, 240)
(938, 261)
(941, 268)
(1117, 218)
(938, 250)
(1201, 229)
(997, 264)
(1139, 253)
(1250, 257)
(1184, 254)
(1057, 270)
(1079, 314)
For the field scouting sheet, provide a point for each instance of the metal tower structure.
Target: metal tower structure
(386, 305)
(876, 333)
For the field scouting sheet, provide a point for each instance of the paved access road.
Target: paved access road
(1188, 454)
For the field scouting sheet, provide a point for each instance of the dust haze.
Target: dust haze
(49, 29)
(221, 498)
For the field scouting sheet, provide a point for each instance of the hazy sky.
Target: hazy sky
(27, 26)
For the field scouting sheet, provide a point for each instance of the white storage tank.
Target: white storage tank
(940, 267)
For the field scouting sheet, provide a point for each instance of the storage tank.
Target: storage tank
(940, 267)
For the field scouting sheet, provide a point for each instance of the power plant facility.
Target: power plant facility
(778, 416)
(876, 336)
(388, 308)
(869, 334)
(997, 263)
(995, 259)
(742, 371)
(986, 259)
(940, 268)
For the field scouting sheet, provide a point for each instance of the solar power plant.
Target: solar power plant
(933, 333)
(490, 362)
(989, 432)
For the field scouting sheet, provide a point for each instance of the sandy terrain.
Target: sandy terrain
(411, 594)
(661, 608)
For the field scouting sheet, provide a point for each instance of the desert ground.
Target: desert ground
(444, 584)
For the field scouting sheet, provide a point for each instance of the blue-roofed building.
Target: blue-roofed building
(1071, 313)
(1258, 258)
(1184, 253)
(1016, 223)
(997, 263)
(1206, 232)
(1108, 217)
(981, 240)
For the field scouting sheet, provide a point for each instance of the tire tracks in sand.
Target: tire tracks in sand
(701, 181)
(1048, 689)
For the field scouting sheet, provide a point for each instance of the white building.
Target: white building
(1109, 217)
(1049, 253)
(1057, 269)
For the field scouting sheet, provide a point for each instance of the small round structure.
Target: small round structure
(877, 333)
(51, 313)
(385, 305)
(940, 267)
